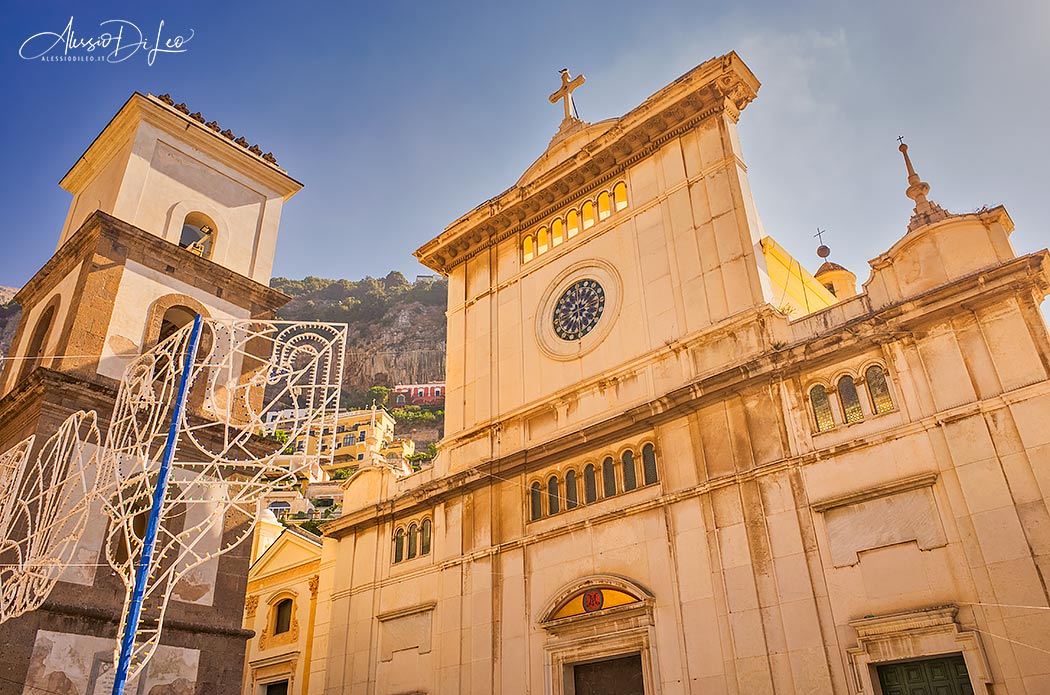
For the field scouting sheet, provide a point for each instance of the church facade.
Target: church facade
(672, 465)
(171, 216)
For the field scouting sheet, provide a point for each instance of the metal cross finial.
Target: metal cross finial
(823, 251)
(900, 139)
(568, 84)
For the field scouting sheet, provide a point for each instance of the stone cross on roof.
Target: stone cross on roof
(568, 84)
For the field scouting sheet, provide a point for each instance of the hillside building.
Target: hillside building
(361, 436)
(419, 394)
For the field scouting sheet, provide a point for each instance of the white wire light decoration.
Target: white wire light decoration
(224, 464)
(44, 506)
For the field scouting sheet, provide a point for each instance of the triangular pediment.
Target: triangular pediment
(290, 551)
(570, 139)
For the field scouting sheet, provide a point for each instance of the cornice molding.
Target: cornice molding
(123, 237)
(896, 487)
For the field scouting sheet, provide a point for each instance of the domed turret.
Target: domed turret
(840, 282)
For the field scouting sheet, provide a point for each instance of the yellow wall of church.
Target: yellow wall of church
(795, 291)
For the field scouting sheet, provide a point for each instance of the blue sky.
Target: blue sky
(400, 116)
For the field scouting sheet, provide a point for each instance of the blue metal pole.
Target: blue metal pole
(131, 624)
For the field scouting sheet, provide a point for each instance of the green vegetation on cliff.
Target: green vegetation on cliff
(360, 301)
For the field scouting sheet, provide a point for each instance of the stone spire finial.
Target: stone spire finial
(926, 211)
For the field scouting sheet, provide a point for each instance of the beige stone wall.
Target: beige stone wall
(759, 547)
(99, 194)
(685, 256)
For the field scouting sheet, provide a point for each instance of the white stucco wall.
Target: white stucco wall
(139, 288)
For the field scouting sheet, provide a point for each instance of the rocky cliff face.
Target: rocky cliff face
(397, 328)
(9, 315)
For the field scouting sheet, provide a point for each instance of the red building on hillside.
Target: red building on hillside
(420, 394)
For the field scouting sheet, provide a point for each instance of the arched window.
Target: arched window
(139, 498)
(608, 478)
(849, 400)
(413, 540)
(878, 389)
(198, 234)
(620, 196)
(818, 398)
(587, 213)
(542, 242)
(557, 232)
(38, 342)
(536, 501)
(282, 616)
(604, 209)
(571, 498)
(528, 251)
(122, 548)
(399, 545)
(572, 224)
(630, 476)
(425, 531)
(649, 464)
(553, 496)
(590, 484)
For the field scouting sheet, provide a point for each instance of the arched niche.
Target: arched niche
(44, 328)
(198, 234)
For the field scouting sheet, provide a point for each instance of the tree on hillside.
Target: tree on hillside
(378, 395)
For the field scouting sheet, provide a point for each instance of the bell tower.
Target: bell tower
(171, 216)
